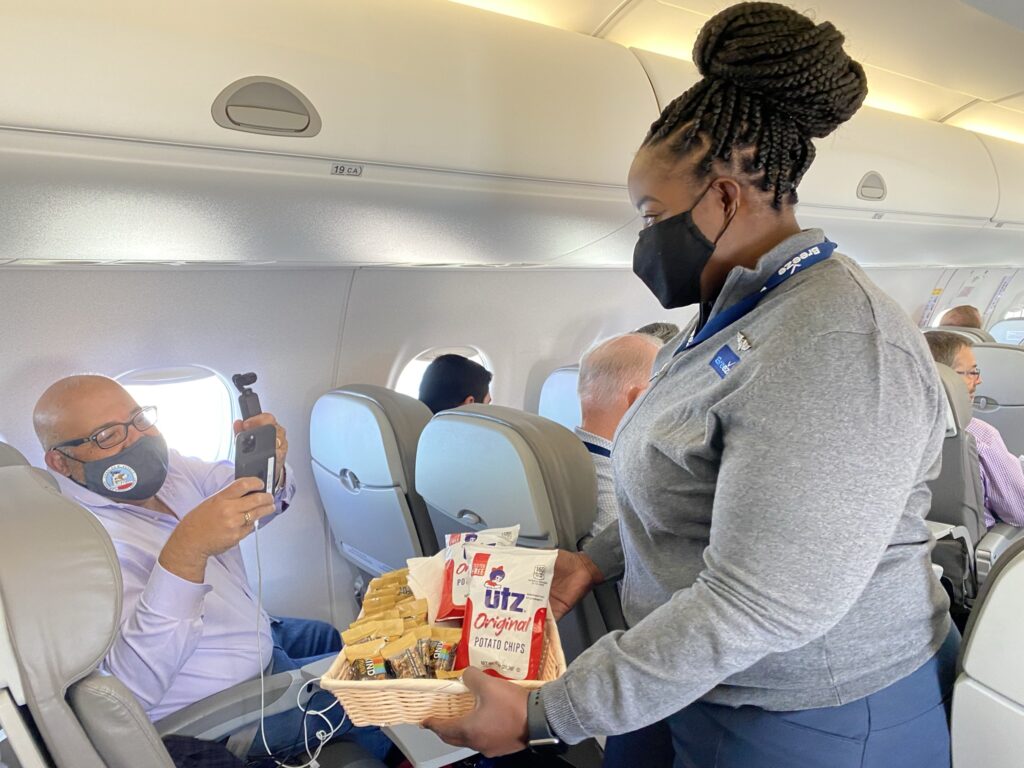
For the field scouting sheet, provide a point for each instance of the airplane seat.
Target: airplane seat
(60, 596)
(977, 335)
(60, 610)
(957, 512)
(987, 723)
(487, 466)
(363, 440)
(11, 456)
(559, 399)
(999, 399)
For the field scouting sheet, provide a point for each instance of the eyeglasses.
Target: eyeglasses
(114, 434)
(974, 373)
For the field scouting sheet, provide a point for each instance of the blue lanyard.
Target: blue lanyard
(803, 260)
(597, 449)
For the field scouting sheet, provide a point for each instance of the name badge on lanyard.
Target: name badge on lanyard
(803, 260)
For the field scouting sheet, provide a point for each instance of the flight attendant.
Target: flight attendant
(772, 480)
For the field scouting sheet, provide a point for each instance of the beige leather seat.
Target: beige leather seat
(60, 609)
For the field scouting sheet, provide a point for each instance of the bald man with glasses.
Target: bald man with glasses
(190, 625)
(1002, 476)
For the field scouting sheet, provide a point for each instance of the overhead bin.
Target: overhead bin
(407, 131)
(1008, 158)
(430, 84)
(926, 169)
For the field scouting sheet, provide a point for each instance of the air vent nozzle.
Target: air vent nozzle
(265, 105)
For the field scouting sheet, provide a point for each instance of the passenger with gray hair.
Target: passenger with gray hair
(1002, 477)
(963, 316)
(613, 374)
(664, 332)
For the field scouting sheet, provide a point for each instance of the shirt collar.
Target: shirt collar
(590, 437)
(742, 281)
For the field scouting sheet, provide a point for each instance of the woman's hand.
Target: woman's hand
(575, 575)
(498, 724)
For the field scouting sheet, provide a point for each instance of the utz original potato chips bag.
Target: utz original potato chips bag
(455, 583)
(503, 627)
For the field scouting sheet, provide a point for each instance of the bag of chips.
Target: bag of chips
(503, 629)
(455, 582)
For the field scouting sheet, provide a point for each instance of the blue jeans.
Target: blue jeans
(298, 642)
(904, 725)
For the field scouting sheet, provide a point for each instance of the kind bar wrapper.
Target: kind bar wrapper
(404, 659)
(503, 630)
(366, 662)
(422, 635)
(455, 582)
(382, 602)
(443, 644)
(374, 630)
(390, 613)
(413, 609)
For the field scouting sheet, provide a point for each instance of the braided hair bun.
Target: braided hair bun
(773, 79)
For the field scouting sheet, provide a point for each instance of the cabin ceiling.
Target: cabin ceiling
(959, 62)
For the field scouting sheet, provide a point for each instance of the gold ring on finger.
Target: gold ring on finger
(247, 517)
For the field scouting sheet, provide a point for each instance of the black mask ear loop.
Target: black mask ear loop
(728, 221)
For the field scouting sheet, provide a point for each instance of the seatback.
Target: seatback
(957, 494)
(486, 466)
(987, 724)
(363, 441)
(999, 399)
(559, 399)
(60, 601)
(976, 335)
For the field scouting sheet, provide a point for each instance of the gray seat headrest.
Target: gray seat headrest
(974, 334)
(506, 466)
(11, 456)
(957, 395)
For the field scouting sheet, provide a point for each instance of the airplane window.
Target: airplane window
(1009, 331)
(408, 382)
(194, 404)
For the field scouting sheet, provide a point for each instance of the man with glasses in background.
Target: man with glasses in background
(190, 624)
(1002, 476)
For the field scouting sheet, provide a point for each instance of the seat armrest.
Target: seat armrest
(992, 545)
(220, 715)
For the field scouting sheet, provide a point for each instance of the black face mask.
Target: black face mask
(670, 257)
(134, 474)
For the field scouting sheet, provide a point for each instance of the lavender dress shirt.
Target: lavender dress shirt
(1002, 476)
(180, 641)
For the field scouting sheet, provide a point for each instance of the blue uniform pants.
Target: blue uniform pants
(904, 725)
(298, 642)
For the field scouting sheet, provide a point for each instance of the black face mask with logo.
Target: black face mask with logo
(670, 257)
(135, 474)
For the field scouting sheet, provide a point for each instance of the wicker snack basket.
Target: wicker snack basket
(391, 702)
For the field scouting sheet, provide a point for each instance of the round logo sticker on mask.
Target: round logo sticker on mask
(120, 478)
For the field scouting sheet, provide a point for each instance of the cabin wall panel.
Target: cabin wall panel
(283, 325)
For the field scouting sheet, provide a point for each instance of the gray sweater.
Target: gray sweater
(772, 528)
